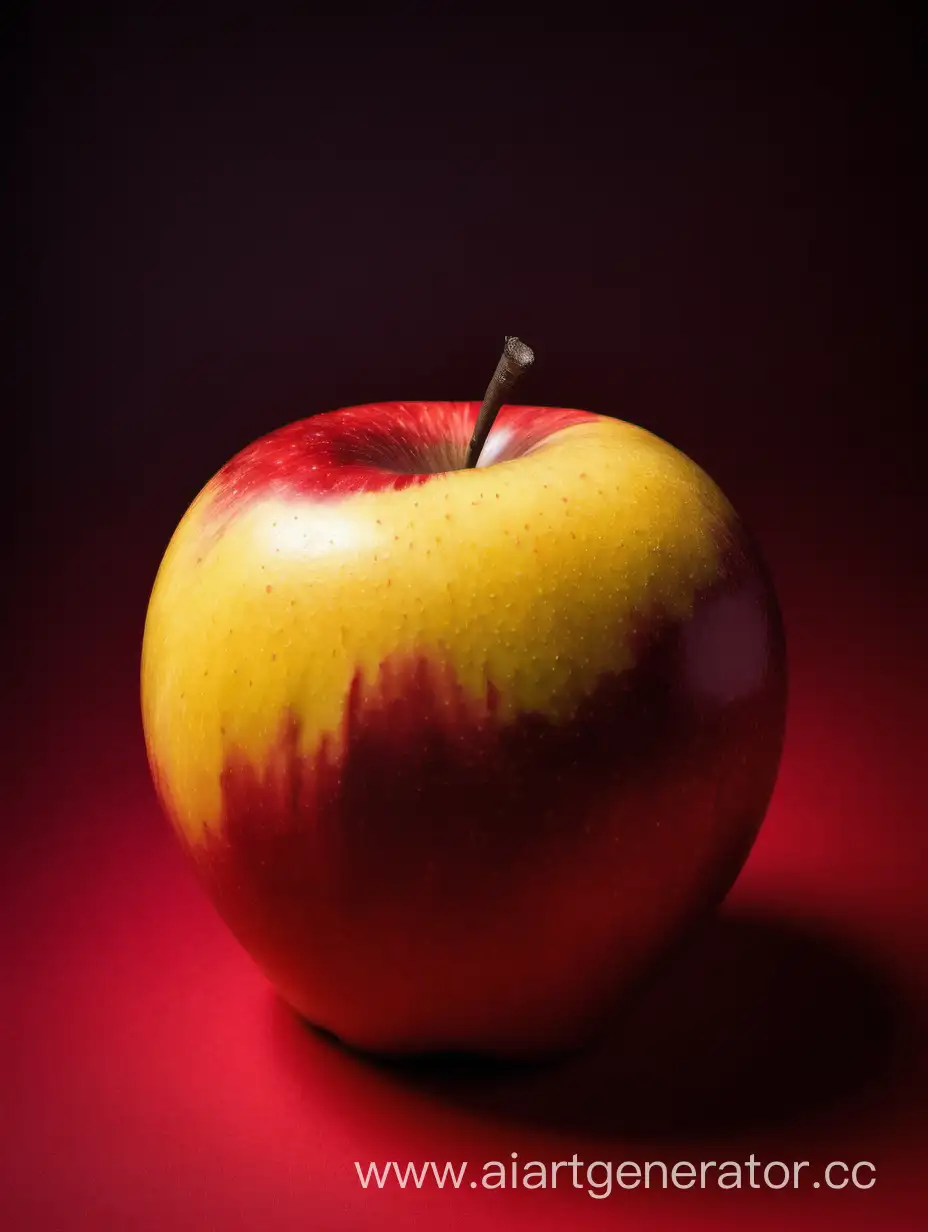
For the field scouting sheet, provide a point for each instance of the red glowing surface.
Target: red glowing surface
(152, 1079)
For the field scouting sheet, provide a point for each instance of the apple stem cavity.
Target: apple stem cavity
(515, 359)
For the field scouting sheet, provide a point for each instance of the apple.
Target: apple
(458, 751)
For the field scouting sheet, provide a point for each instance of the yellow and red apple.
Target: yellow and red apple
(458, 752)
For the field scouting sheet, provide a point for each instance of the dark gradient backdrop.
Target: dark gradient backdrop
(705, 227)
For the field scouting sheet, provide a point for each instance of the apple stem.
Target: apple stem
(515, 359)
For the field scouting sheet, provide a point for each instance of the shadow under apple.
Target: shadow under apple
(754, 1023)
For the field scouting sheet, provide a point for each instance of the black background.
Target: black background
(702, 223)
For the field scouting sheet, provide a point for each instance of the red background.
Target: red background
(703, 229)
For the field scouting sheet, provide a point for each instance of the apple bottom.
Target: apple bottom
(435, 879)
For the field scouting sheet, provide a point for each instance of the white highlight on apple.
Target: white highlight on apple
(495, 447)
(314, 532)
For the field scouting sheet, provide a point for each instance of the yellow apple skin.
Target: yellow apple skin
(459, 753)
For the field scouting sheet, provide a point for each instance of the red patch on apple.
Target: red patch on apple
(348, 451)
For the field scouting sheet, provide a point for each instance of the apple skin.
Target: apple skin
(459, 754)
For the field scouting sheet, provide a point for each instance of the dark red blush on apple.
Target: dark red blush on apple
(343, 845)
(352, 450)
